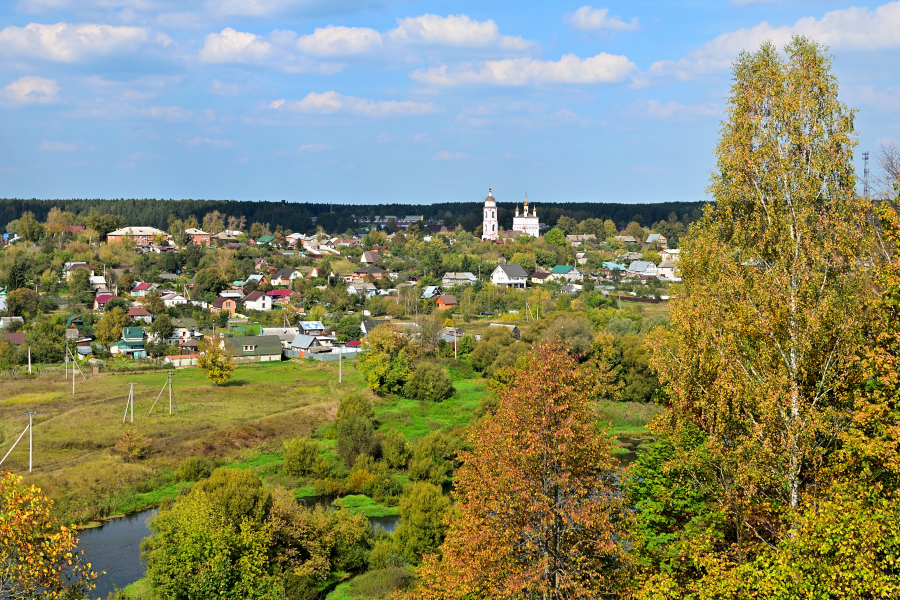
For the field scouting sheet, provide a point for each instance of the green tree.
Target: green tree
(422, 528)
(18, 276)
(396, 450)
(555, 237)
(209, 282)
(428, 383)
(47, 341)
(385, 365)
(349, 328)
(302, 457)
(23, 302)
(353, 405)
(109, 328)
(355, 437)
(30, 228)
(215, 361)
(162, 327)
(238, 494)
(566, 224)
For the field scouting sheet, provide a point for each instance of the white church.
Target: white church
(524, 222)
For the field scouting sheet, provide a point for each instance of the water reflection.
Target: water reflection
(115, 547)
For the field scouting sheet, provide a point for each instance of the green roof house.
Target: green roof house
(254, 348)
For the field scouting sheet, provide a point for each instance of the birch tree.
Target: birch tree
(777, 278)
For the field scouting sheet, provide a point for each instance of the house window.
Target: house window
(248, 348)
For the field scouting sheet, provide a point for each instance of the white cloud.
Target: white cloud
(48, 146)
(603, 68)
(32, 90)
(314, 148)
(588, 18)
(234, 46)
(455, 30)
(336, 41)
(887, 100)
(201, 141)
(328, 103)
(447, 155)
(852, 28)
(63, 42)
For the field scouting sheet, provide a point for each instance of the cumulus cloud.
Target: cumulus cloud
(887, 100)
(447, 155)
(64, 42)
(855, 28)
(588, 18)
(32, 90)
(48, 146)
(335, 41)
(328, 103)
(456, 31)
(234, 46)
(602, 68)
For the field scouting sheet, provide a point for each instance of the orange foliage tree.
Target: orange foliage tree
(537, 512)
(38, 556)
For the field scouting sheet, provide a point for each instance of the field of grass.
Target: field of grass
(75, 436)
(627, 419)
(360, 504)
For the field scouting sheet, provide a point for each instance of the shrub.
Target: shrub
(396, 450)
(133, 445)
(428, 383)
(195, 468)
(301, 457)
(238, 494)
(355, 404)
(620, 326)
(382, 583)
(355, 437)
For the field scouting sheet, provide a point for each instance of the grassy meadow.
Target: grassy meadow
(75, 436)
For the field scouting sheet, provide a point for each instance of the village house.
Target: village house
(101, 301)
(142, 236)
(445, 302)
(375, 272)
(170, 299)
(513, 276)
(539, 277)
(362, 287)
(465, 278)
(70, 268)
(625, 239)
(257, 301)
(198, 236)
(139, 313)
(142, 289)
(227, 305)
(312, 327)
(666, 270)
(285, 277)
(285, 334)
(512, 329)
(670, 255)
(368, 258)
(581, 238)
(184, 329)
(255, 348)
(431, 291)
(642, 268)
(658, 239)
(611, 269)
(566, 273)
(280, 297)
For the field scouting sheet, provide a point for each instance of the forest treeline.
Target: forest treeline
(298, 216)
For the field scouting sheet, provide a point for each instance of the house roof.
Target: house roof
(253, 296)
(144, 231)
(448, 299)
(652, 238)
(263, 345)
(613, 266)
(667, 264)
(312, 325)
(141, 287)
(369, 256)
(285, 273)
(265, 239)
(78, 265)
(74, 319)
(640, 265)
(431, 291)
(138, 311)
(279, 293)
(513, 270)
(14, 338)
(625, 238)
(302, 341)
(186, 323)
(220, 302)
(104, 298)
(540, 275)
(562, 269)
(195, 231)
(132, 332)
(285, 334)
(463, 275)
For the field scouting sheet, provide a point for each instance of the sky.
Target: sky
(375, 101)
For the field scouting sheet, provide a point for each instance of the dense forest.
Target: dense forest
(335, 218)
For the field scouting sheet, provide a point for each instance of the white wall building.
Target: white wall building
(513, 276)
(490, 228)
(527, 223)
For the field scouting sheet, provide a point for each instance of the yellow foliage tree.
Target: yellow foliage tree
(215, 361)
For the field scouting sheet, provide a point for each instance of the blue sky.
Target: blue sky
(370, 101)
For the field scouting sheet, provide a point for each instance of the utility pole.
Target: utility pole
(29, 360)
(340, 363)
(129, 405)
(866, 174)
(31, 437)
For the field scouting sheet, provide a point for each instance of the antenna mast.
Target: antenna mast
(866, 174)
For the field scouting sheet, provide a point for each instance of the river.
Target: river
(115, 547)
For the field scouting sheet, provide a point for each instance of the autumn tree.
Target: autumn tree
(777, 279)
(214, 222)
(109, 328)
(535, 497)
(38, 556)
(29, 227)
(215, 361)
(385, 365)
